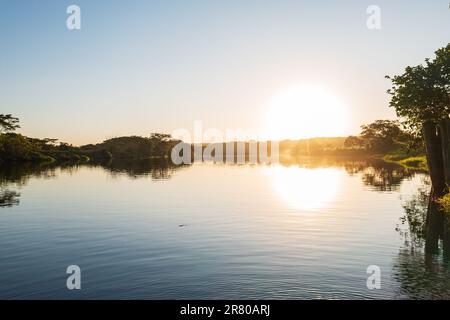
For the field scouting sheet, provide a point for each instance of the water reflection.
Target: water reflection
(377, 174)
(9, 198)
(153, 168)
(303, 188)
(310, 183)
(387, 178)
(19, 174)
(293, 179)
(423, 264)
(415, 217)
(13, 177)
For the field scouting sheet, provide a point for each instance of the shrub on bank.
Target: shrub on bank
(444, 202)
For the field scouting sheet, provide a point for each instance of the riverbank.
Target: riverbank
(19, 148)
(409, 161)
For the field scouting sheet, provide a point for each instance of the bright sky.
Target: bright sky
(137, 67)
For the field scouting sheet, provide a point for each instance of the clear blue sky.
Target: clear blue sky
(142, 66)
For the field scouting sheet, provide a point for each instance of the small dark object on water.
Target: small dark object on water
(182, 225)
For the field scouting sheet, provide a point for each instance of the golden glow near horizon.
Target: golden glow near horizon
(305, 112)
(303, 188)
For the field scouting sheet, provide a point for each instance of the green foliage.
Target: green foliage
(419, 162)
(408, 161)
(158, 145)
(385, 136)
(444, 202)
(422, 93)
(16, 147)
(43, 144)
(128, 147)
(381, 134)
(134, 147)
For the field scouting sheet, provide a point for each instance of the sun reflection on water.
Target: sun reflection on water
(303, 188)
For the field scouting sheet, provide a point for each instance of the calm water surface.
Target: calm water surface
(307, 230)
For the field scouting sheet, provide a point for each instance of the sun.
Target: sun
(305, 112)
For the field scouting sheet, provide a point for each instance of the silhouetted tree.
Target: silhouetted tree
(353, 142)
(381, 135)
(43, 144)
(8, 123)
(162, 144)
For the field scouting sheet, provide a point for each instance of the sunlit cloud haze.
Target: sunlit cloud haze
(137, 67)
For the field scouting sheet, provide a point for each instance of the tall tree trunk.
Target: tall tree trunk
(433, 145)
(445, 133)
(434, 227)
(446, 236)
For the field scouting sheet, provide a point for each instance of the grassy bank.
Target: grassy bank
(409, 161)
(445, 202)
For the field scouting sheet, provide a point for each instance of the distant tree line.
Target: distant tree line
(17, 147)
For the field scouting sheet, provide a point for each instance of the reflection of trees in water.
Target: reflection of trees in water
(15, 176)
(415, 217)
(9, 198)
(19, 174)
(422, 267)
(378, 174)
(421, 276)
(323, 162)
(387, 178)
(154, 168)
